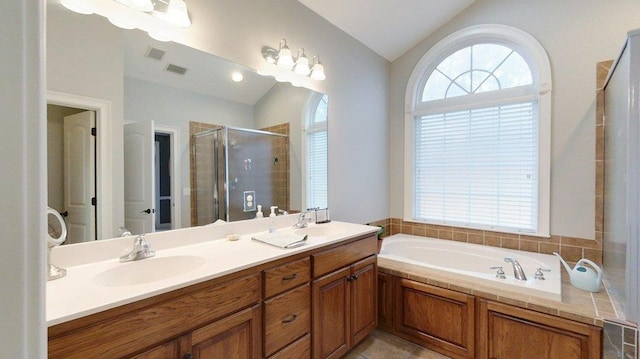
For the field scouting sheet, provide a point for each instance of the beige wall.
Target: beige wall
(576, 35)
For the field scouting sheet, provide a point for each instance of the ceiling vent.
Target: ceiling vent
(154, 53)
(176, 69)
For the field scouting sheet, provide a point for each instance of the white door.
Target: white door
(79, 177)
(139, 211)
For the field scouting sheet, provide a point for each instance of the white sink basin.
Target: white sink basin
(148, 270)
(321, 230)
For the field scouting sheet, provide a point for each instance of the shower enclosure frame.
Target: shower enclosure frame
(226, 156)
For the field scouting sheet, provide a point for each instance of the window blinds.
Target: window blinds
(317, 183)
(478, 167)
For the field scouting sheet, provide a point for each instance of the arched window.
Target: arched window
(478, 133)
(316, 167)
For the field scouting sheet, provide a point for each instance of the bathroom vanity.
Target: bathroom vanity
(257, 301)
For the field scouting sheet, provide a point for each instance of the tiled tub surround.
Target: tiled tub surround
(571, 248)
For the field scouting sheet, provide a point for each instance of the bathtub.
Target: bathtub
(472, 262)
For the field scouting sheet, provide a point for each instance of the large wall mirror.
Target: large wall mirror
(175, 111)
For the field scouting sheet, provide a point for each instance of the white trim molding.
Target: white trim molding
(104, 163)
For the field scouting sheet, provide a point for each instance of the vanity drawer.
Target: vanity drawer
(287, 276)
(287, 317)
(332, 259)
(300, 349)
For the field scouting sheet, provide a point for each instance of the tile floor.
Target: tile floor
(382, 345)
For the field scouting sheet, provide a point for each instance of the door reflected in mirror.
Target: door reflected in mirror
(169, 85)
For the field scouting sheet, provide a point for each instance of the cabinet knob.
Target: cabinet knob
(188, 356)
(352, 278)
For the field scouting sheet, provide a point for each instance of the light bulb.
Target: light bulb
(317, 73)
(237, 77)
(285, 59)
(302, 64)
(177, 13)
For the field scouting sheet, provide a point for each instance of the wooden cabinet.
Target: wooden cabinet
(319, 303)
(344, 297)
(505, 331)
(460, 325)
(436, 318)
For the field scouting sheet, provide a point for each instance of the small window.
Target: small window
(479, 133)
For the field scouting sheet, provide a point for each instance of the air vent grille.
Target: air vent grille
(176, 69)
(154, 53)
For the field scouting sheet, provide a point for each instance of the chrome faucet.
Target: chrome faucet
(141, 250)
(303, 220)
(517, 268)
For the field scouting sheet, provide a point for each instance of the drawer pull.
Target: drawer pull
(290, 277)
(290, 319)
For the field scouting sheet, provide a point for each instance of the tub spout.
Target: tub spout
(517, 268)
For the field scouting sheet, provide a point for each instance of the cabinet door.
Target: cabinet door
(364, 313)
(234, 337)
(510, 332)
(331, 299)
(439, 319)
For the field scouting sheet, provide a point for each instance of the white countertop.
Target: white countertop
(81, 292)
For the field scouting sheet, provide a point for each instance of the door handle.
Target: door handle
(148, 211)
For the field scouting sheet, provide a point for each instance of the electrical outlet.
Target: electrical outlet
(249, 201)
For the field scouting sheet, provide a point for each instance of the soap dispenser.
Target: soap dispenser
(259, 213)
(272, 216)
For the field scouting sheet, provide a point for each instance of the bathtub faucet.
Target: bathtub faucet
(517, 268)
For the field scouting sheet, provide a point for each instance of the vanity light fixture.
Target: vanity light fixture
(300, 65)
(140, 5)
(161, 19)
(176, 14)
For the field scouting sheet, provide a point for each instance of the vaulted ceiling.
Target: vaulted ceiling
(388, 27)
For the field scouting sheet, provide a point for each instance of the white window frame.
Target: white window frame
(310, 126)
(535, 56)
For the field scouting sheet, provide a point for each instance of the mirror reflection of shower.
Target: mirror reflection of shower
(234, 170)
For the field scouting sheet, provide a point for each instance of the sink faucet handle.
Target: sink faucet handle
(499, 273)
(539, 275)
